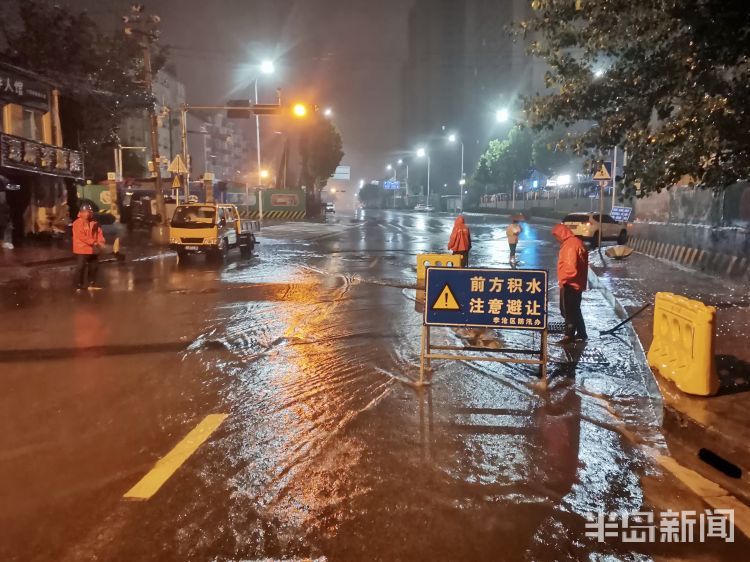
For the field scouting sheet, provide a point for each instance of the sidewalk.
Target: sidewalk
(19, 262)
(700, 427)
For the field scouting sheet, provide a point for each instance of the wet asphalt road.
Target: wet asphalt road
(328, 450)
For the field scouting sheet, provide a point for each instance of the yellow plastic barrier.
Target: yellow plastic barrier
(435, 260)
(683, 345)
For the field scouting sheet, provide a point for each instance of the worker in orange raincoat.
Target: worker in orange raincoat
(572, 274)
(460, 240)
(87, 239)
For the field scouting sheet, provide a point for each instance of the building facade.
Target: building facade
(220, 146)
(38, 172)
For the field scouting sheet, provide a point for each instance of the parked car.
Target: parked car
(330, 208)
(587, 226)
(423, 208)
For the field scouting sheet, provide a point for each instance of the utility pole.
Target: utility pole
(257, 138)
(145, 28)
(428, 179)
(614, 178)
(184, 145)
(461, 180)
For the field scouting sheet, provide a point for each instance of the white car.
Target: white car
(423, 207)
(587, 226)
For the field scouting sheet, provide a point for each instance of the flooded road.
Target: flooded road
(329, 449)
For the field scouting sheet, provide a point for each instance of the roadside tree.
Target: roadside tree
(669, 81)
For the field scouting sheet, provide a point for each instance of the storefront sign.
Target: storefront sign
(24, 154)
(20, 90)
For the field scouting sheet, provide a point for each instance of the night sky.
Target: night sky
(344, 53)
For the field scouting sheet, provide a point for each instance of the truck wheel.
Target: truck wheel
(623, 237)
(181, 255)
(246, 250)
(220, 253)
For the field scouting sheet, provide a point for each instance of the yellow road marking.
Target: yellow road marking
(168, 465)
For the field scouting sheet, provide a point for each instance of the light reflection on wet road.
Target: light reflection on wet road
(329, 450)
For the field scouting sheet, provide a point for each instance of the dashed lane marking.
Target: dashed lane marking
(168, 465)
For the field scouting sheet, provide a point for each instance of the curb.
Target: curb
(69, 260)
(686, 437)
(716, 263)
(639, 352)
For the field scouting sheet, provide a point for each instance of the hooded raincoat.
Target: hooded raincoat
(573, 261)
(460, 240)
(87, 234)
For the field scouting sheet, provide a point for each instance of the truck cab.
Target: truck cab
(212, 229)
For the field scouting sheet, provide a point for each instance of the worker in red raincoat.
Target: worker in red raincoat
(572, 274)
(460, 240)
(87, 239)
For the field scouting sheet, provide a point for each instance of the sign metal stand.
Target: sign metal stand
(513, 299)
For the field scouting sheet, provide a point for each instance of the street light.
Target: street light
(598, 73)
(299, 110)
(264, 174)
(328, 112)
(267, 67)
(453, 138)
(422, 153)
(502, 115)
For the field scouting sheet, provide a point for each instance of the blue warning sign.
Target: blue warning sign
(486, 298)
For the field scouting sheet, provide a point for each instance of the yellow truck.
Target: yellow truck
(212, 229)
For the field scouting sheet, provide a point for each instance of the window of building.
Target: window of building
(24, 122)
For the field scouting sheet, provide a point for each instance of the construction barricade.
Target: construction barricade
(683, 346)
(434, 260)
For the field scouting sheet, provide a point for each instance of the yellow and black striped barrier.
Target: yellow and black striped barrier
(273, 214)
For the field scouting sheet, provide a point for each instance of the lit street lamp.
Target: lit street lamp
(328, 112)
(502, 115)
(267, 67)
